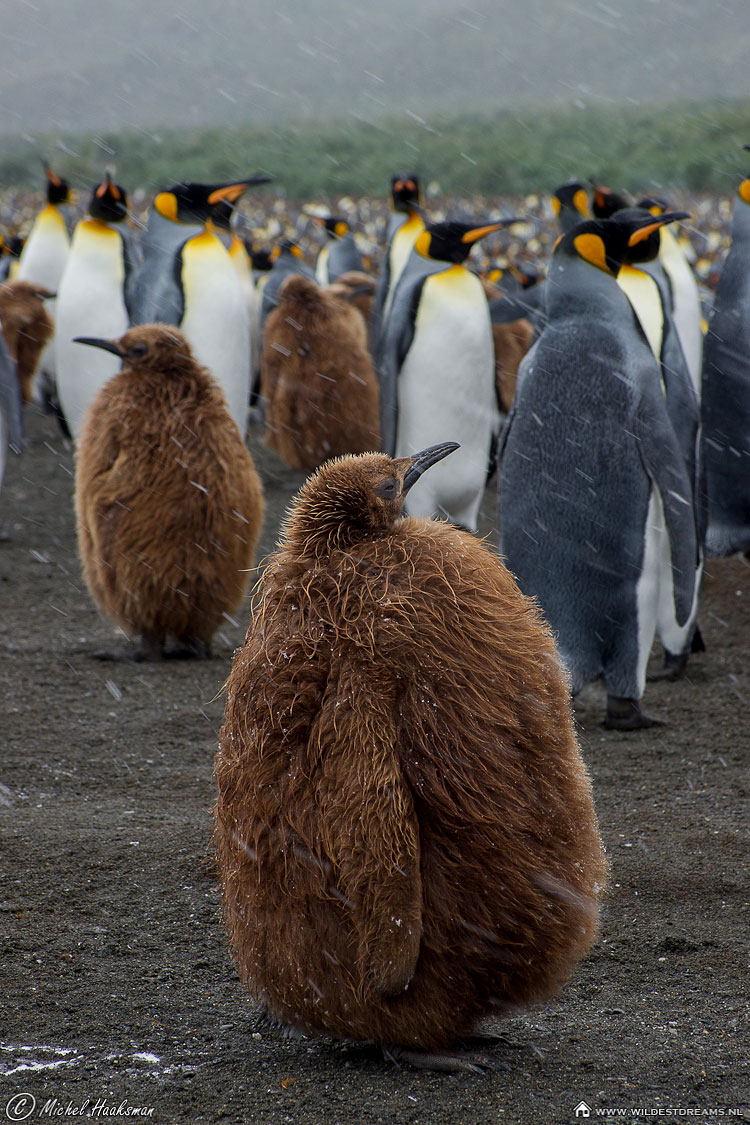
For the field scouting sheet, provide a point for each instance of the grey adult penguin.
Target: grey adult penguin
(405, 223)
(726, 393)
(685, 301)
(91, 300)
(605, 201)
(340, 254)
(11, 419)
(288, 258)
(646, 285)
(594, 492)
(438, 370)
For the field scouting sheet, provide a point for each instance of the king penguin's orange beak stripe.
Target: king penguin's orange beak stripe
(231, 193)
(479, 232)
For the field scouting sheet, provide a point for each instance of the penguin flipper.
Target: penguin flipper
(664, 463)
(398, 336)
(369, 830)
(10, 399)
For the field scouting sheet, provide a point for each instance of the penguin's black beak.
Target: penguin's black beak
(422, 461)
(96, 342)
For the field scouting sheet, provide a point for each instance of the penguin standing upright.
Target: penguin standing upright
(42, 262)
(644, 282)
(438, 371)
(685, 302)
(404, 225)
(594, 493)
(192, 283)
(726, 393)
(340, 254)
(168, 502)
(406, 836)
(91, 301)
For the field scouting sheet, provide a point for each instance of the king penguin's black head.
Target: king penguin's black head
(608, 243)
(406, 192)
(109, 202)
(451, 240)
(58, 189)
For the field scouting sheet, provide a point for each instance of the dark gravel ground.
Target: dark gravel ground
(118, 991)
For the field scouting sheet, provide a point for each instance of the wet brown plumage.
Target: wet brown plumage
(317, 379)
(405, 829)
(511, 341)
(26, 326)
(168, 502)
(358, 288)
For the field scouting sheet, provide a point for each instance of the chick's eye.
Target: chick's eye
(387, 489)
(137, 351)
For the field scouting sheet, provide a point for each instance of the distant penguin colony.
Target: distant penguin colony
(405, 830)
(317, 380)
(168, 502)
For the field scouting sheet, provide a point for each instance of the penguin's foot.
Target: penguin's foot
(148, 651)
(673, 668)
(447, 1061)
(625, 714)
(189, 648)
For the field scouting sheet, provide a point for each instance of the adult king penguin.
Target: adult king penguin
(646, 285)
(726, 393)
(685, 303)
(570, 205)
(91, 300)
(595, 498)
(340, 254)
(405, 831)
(190, 281)
(438, 373)
(42, 262)
(404, 225)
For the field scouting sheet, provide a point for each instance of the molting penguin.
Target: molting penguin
(168, 501)
(726, 393)
(91, 299)
(340, 253)
(405, 830)
(27, 328)
(437, 371)
(594, 492)
(317, 380)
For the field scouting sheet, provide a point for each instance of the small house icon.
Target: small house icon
(582, 1110)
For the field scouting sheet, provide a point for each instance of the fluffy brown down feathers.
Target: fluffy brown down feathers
(27, 328)
(405, 828)
(317, 379)
(168, 502)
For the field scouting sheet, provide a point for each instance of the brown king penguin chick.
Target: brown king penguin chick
(317, 378)
(27, 328)
(168, 502)
(405, 829)
(358, 288)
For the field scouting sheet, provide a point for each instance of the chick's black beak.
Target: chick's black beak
(422, 461)
(96, 342)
